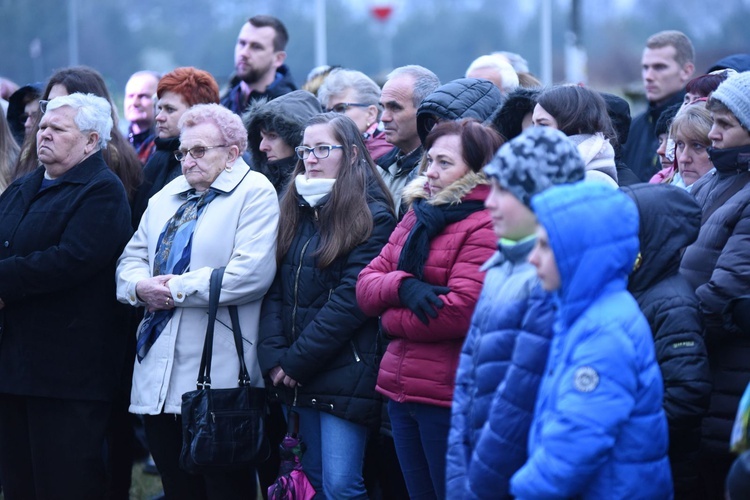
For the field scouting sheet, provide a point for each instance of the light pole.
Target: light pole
(73, 32)
(321, 49)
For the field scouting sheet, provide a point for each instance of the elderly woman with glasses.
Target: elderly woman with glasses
(317, 349)
(62, 352)
(219, 213)
(355, 94)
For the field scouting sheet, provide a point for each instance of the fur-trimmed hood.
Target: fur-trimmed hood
(451, 195)
(286, 115)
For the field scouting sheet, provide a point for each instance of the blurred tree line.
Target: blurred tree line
(120, 37)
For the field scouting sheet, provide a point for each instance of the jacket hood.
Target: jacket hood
(508, 118)
(593, 232)
(16, 105)
(737, 62)
(670, 219)
(462, 98)
(618, 110)
(451, 195)
(286, 115)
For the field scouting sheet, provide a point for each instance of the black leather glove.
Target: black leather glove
(421, 298)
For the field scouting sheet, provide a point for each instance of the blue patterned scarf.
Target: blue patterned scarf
(172, 257)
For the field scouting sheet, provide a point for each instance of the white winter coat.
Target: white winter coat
(237, 230)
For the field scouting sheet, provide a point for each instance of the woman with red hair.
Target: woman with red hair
(177, 91)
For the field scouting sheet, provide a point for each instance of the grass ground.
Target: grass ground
(144, 486)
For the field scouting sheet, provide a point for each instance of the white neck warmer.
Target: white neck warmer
(313, 190)
(597, 154)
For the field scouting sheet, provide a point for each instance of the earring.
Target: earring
(228, 168)
(368, 124)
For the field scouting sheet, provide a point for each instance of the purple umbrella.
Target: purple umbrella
(292, 483)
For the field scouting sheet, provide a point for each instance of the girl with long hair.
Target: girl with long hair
(317, 349)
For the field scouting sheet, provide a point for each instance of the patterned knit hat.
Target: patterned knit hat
(734, 93)
(538, 158)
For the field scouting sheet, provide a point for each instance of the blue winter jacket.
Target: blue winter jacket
(501, 366)
(599, 430)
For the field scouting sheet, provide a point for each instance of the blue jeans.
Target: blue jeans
(420, 433)
(335, 454)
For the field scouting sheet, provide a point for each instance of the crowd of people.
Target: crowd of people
(485, 288)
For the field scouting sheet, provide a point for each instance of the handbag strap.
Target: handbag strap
(204, 372)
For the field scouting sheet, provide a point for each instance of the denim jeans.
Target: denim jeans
(420, 433)
(335, 454)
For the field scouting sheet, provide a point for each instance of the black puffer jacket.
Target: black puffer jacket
(669, 221)
(462, 98)
(639, 152)
(312, 327)
(717, 265)
(286, 115)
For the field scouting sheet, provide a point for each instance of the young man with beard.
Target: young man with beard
(259, 57)
(666, 66)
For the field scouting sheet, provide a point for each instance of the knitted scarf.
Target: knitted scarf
(431, 220)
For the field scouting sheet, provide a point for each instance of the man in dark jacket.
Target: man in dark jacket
(63, 345)
(274, 129)
(669, 221)
(717, 265)
(259, 57)
(403, 92)
(667, 65)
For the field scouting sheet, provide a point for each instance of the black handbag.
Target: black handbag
(223, 429)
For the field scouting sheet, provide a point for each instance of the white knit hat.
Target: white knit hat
(734, 93)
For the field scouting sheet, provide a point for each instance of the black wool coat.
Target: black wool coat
(62, 328)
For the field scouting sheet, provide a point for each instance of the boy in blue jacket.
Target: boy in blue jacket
(599, 430)
(505, 351)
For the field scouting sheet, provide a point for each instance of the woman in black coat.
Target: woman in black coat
(317, 349)
(669, 221)
(62, 228)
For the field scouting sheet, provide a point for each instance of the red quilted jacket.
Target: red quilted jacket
(421, 360)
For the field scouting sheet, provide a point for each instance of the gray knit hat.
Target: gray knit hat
(734, 93)
(535, 160)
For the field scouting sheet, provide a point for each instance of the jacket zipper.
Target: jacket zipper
(354, 350)
(296, 288)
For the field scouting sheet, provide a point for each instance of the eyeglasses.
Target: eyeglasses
(43, 105)
(196, 152)
(343, 106)
(321, 152)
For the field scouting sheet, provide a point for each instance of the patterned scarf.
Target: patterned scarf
(172, 257)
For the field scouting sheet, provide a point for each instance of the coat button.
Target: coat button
(6, 244)
(179, 295)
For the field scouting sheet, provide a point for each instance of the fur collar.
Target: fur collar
(451, 195)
